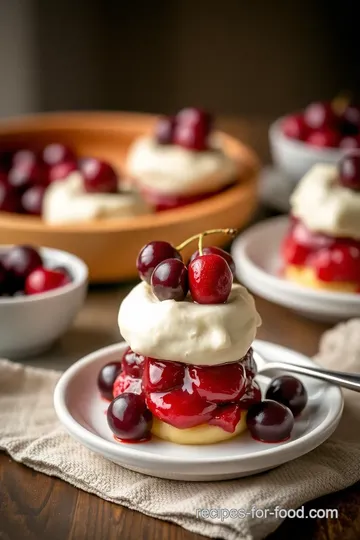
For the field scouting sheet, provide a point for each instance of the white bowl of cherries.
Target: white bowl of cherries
(41, 291)
(321, 133)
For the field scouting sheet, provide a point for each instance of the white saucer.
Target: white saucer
(82, 412)
(256, 253)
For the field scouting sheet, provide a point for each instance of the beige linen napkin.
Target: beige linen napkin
(31, 434)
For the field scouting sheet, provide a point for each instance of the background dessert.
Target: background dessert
(181, 162)
(322, 247)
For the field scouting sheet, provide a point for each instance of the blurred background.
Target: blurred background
(246, 59)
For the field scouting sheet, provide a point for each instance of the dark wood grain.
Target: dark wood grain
(36, 507)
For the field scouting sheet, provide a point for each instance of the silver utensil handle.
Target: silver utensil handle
(346, 380)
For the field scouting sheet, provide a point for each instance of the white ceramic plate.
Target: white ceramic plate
(81, 410)
(257, 257)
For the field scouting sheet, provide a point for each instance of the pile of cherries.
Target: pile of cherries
(22, 272)
(131, 384)
(326, 125)
(189, 128)
(25, 174)
(208, 276)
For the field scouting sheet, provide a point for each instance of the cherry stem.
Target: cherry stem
(201, 238)
(230, 232)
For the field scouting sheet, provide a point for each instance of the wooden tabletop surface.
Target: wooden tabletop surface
(37, 507)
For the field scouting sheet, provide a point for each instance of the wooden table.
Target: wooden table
(37, 507)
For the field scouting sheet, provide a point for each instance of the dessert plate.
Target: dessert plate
(257, 257)
(81, 410)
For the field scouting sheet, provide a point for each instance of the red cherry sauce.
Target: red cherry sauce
(132, 441)
(186, 396)
(332, 259)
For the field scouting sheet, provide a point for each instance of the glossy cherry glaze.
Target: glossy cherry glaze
(289, 391)
(218, 251)
(270, 421)
(106, 379)
(210, 279)
(169, 280)
(19, 262)
(128, 417)
(153, 254)
(332, 259)
(132, 363)
(187, 395)
(43, 280)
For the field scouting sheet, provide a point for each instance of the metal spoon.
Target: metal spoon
(341, 378)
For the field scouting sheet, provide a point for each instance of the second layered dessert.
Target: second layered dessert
(322, 247)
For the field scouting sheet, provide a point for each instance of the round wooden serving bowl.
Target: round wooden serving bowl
(110, 247)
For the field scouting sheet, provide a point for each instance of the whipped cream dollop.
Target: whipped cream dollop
(187, 332)
(324, 205)
(172, 169)
(66, 201)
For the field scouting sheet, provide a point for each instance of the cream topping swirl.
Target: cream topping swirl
(173, 170)
(66, 201)
(187, 332)
(324, 205)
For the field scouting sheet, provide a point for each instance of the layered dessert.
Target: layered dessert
(322, 247)
(188, 373)
(181, 162)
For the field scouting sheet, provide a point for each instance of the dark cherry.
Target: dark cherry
(160, 375)
(324, 138)
(164, 129)
(9, 198)
(218, 384)
(128, 417)
(210, 279)
(61, 170)
(226, 417)
(32, 199)
(106, 379)
(6, 158)
(99, 176)
(153, 254)
(192, 129)
(349, 169)
(294, 127)
(132, 363)
(19, 262)
(320, 115)
(218, 251)
(56, 153)
(169, 280)
(43, 280)
(289, 391)
(270, 421)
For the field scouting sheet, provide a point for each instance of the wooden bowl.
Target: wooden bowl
(110, 247)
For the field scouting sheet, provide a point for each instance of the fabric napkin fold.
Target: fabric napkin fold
(31, 434)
